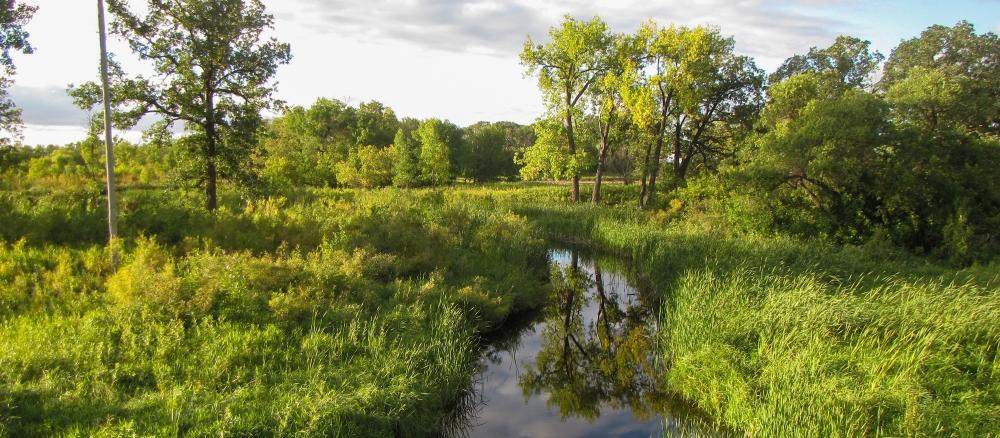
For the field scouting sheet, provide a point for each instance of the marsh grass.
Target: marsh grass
(354, 313)
(335, 313)
(778, 337)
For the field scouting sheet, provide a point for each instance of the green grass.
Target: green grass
(347, 314)
(355, 313)
(778, 337)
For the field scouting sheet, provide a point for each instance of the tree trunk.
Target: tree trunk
(661, 127)
(596, 197)
(605, 143)
(656, 170)
(572, 144)
(645, 175)
(680, 172)
(211, 202)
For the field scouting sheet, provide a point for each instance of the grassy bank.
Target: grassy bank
(355, 313)
(327, 313)
(778, 337)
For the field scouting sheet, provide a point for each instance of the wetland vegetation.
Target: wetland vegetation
(817, 259)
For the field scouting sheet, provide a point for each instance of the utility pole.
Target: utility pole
(108, 145)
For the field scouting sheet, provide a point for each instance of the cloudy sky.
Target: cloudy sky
(457, 59)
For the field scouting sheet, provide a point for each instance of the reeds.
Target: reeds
(778, 337)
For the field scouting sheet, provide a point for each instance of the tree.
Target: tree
(376, 125)
(717, 108)
(407, 166)
(651, 95)
(820, 157)
(367, 167)
(848, 58)
(13, 17)
(439, 142)
(693, 91)
(942, 188)
(967, 62)
(567, 67)
(303, 145)
(608, 106)
(549, 157)
(212, 72)
(486, 157)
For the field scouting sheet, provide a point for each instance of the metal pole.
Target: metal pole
(108, 142)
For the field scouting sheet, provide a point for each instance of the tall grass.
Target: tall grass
(329, 313)
(778, 337)
(353, 313)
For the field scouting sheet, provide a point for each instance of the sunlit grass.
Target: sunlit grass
(335, 313)
(353, 313)
(778, 337)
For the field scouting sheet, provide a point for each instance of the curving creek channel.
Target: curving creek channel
(582, 366)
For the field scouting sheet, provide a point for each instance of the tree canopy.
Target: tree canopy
(13, 17)
(567, 66)
(213, 73)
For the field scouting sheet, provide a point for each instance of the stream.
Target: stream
(582, 366)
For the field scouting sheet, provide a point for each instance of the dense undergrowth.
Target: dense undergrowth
(354, 313)
(335, 313)
(778, 337)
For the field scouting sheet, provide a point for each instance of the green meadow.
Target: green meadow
(357, 313)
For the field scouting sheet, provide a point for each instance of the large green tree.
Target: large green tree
(719, 101)
(440, 143)
(959, 59)
(693, 94)
(943, 191)
(303, 144)
(608, 111)
(819, 157)
(13, 37)
(567, 66)
(848, 58)
(407, 166)
(376, 125)
(486, 157)
(213, 73)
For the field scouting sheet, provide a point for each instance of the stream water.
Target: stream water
(580, 367)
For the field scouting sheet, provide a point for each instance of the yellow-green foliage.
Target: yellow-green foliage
(341, 313)
(367, 167)
(50, 279)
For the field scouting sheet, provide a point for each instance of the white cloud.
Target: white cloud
(454, 25)
(770, 30)
(47, 105)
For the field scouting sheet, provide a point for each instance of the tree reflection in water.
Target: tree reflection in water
(588, 363)
(589, 351)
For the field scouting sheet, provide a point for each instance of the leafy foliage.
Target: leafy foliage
(13, 17)
(213, 74)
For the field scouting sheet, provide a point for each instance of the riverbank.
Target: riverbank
(355, 313)
(779, 337)
(339, 313)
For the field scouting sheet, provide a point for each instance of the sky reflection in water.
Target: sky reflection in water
(575, 369)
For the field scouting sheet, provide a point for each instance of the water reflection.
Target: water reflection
(582, 366)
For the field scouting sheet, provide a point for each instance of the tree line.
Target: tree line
(333, 144)
(841, 142)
